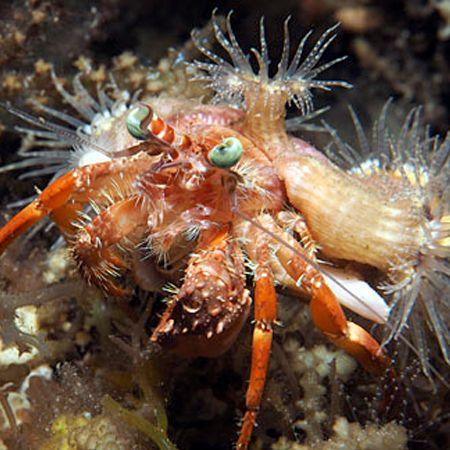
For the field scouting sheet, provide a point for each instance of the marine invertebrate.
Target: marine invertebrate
(314, 368)
(311, 367)
(179, 180)
(54, 152)
(411, 168)
(67, 407)
(353, 436)
(15, 406)
(84, 432)
(238, 84)
(218, 178)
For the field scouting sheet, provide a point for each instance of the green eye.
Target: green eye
(227, 153)
(138, 120)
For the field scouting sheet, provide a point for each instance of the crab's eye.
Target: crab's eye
(227, 153)
(138, 120)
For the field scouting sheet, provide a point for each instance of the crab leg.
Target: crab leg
(54, 196)
(298, 224)
(80, 185)
(265, 316)
(328, 315)
(92, 246)
(326, 312)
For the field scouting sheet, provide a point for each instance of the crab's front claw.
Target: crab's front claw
(208, 312)
(52, 198)
(65, 197)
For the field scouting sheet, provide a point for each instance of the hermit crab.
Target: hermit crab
(226, 179)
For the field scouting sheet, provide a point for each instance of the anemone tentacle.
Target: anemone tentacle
(238, 84)
(410, 165)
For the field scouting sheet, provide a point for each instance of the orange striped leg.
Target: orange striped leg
(265, 315)
(99, 263)
(328, 315)
(326, 311)
(80, 185)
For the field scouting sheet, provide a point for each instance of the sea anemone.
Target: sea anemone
(54, 149)
(238, 84)
(411, 165)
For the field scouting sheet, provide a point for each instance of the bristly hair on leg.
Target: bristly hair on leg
(237, 83)
(412, 165)
(51, 147)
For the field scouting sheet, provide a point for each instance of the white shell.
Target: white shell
(365, 301)
(92, 157)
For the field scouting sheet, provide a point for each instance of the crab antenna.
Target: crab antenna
(65, 134)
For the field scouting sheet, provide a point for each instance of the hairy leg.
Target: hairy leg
(207, 313)
(326, 312)
(70, 191)
(94, 246)
(265, 316)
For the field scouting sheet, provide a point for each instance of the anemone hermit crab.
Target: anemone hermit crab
(229, 180)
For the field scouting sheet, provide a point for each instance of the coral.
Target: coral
(42, 320)
(15, 406)
(82, 413)
(311, 367)
(57, 265)
(314, 368)
(85, 433)
(352, 436)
